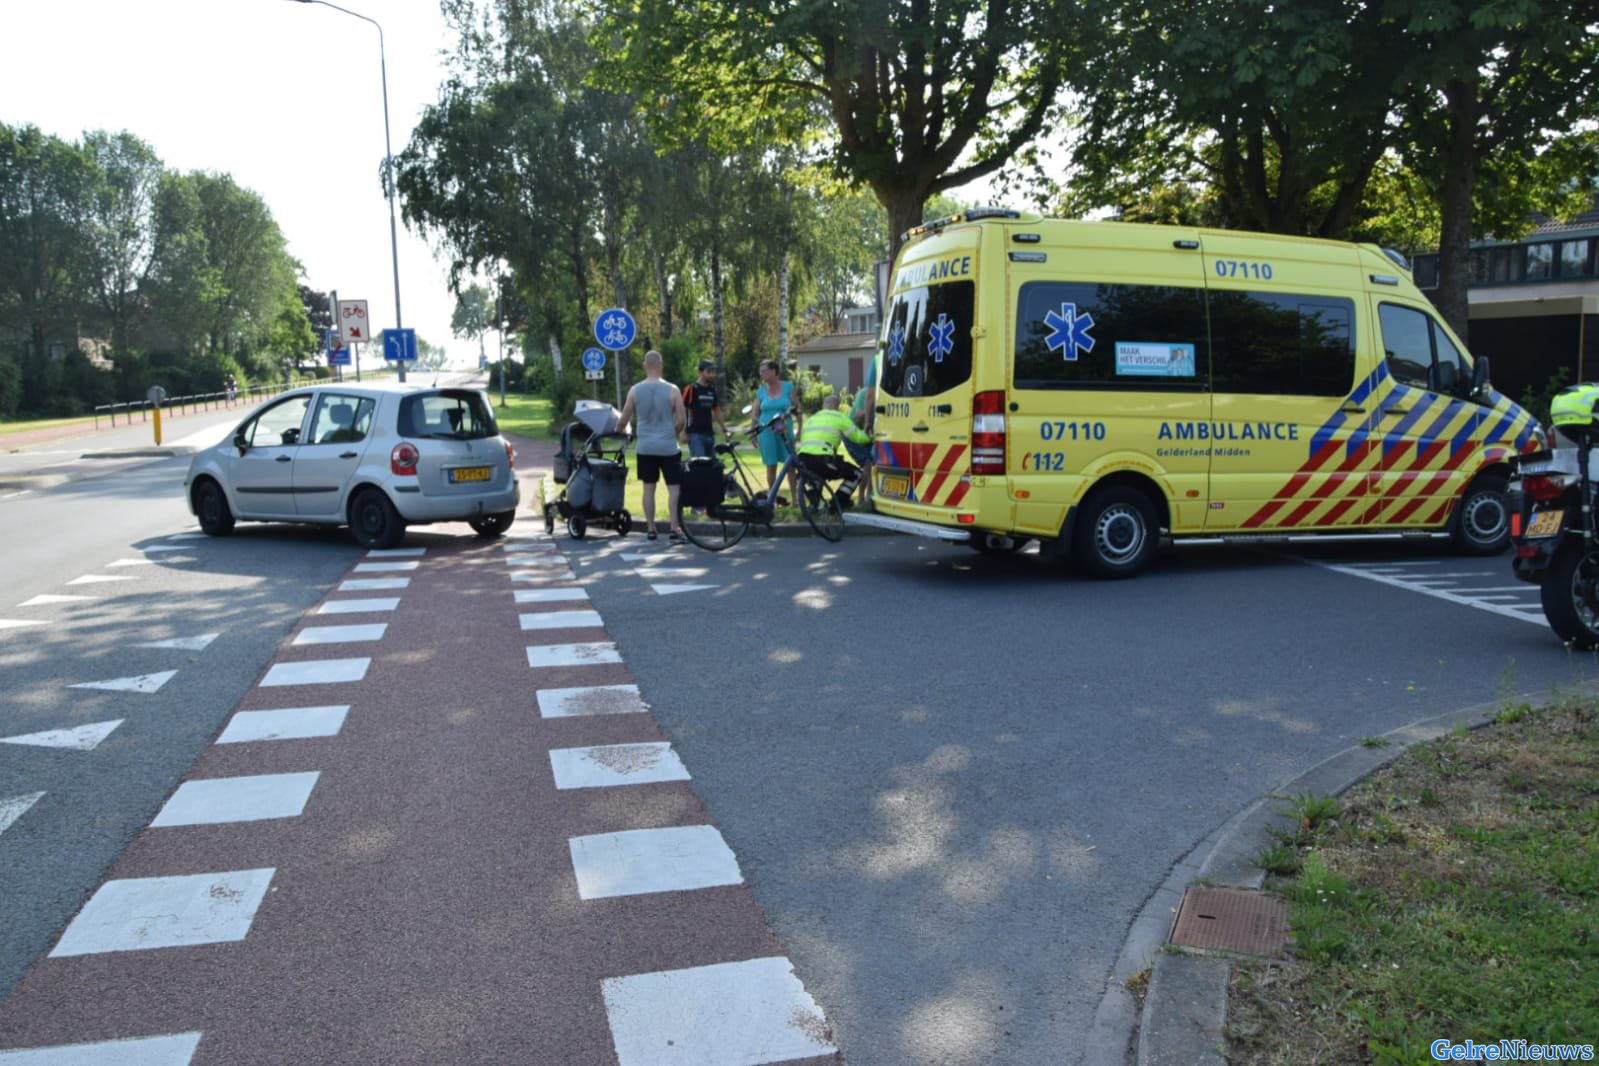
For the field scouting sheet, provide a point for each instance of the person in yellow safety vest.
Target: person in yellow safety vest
(1572, 410)
(819, 441)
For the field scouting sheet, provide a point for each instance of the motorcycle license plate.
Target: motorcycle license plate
(459, 474)
(1545, 523)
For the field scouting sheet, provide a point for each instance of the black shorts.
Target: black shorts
(669, 467)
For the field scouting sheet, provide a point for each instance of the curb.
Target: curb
(1183, 1019)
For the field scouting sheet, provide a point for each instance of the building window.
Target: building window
(1576, 259)
(1504, 265)
(1426, 271)
(1540, 261)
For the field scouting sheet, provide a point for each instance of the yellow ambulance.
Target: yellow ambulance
(1096, 386)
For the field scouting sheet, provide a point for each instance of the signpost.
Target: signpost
(352, 324)
(594, 364)
(615, 330)
(157, 396)
(338, 354)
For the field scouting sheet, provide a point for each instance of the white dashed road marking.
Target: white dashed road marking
(141, 683)
(50, 597)
(385, 603)
(341, 634)
(640, 861)
(175, 1050)
(596, 699)
(288, 723)
(196, 643)
(394, 553)
(98, 579)
(562, 620)
(317, 672)
(616, 764)
(256, 798)
(375, 584)
(544, 575)
(1436, 585)
(730, 1014)
(80, 738)
(549, 595)
(165, 912)
(572, 654)
(378, 568)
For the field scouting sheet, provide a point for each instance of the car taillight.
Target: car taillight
(988, 433)
(1545, 486)
(510, 455)
(403, 459)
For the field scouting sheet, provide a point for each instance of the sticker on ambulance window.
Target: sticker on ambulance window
(1068, 331)
(1146, 359)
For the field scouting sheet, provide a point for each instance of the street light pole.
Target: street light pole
(388, 166)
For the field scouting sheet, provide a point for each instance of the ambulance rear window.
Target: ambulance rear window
(928, 344)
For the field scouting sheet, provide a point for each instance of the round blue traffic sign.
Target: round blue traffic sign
(593, 359)
(615, 329)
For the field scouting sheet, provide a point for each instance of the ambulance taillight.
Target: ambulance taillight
(988, 433)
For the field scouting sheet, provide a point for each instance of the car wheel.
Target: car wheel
(577, 525)
(492, 525)
(211, 507)
(1116, 535)
(1482, 518)
(373, 520)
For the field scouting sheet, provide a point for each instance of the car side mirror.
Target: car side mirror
(1479, 378)
(240, 443)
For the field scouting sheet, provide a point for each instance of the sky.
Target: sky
(286, 97)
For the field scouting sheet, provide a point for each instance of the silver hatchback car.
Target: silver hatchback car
(377, 458)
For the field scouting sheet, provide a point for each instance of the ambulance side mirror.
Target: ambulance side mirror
(1479, 378)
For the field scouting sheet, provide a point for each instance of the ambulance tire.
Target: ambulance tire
(1481, 525)
(1116, 534)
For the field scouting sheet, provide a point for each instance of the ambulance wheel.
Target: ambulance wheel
(1482, 517)
(1116, 535)
(577, 525)
(1570, 595)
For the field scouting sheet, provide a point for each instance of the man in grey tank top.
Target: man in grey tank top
(654, 409)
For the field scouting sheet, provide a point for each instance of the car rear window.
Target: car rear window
(449, 414)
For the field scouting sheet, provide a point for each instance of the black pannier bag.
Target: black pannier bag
(702, 482)
(610, 484)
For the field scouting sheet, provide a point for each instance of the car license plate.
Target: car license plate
(1545, 523)
(890, 485)
(468, 473)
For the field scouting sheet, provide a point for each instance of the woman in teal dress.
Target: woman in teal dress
(775, 397)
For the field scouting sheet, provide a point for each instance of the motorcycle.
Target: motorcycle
(1552, 527)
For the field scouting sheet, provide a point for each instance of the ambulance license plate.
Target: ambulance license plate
(895, 486)
(468, 473)
(1545, 523)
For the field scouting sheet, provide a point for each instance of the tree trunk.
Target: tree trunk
(580, 272)
(1459, 192)
(904, 207)
(782, 309)
(718, 305)
(663, 286)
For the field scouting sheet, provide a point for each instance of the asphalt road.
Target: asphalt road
(950, 780)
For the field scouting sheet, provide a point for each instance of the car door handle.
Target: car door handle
(920, 429)
(348, 455)
(1396, 411)
(1352, 408)
(284, 459)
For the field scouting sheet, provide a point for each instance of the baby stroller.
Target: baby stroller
(591, 467)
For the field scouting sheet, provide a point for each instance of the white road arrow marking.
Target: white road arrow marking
(141, 683)
(83, 738)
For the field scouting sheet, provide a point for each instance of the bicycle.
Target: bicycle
(725, 523)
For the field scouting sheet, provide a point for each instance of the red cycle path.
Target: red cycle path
(424, 908)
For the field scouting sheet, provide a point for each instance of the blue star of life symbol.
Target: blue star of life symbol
(1069, 331)
(896, 345)
(943, 338)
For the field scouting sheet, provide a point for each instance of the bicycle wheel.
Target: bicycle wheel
(723, 524)
(822, 507)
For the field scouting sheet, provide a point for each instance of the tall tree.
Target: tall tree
(473, 314)
(120, 243)
(915, 97)
(1497, 83)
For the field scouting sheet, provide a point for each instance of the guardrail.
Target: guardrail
(200, 401)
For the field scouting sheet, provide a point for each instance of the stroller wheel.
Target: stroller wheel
(624, 523)
(549, 520)
(577, 525)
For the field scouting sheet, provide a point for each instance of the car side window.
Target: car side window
(1420, 353)
(278, 424)
(341, 419)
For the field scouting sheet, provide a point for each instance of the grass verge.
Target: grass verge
(1453, 896)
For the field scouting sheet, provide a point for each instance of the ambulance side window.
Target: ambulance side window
(1281, 344)
(1073, 335)
(1420, 354)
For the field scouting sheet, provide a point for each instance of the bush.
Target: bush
(1537, 403)
(10, 388)
(682, 355)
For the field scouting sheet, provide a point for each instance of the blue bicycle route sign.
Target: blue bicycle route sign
(615, 329)
(593, 359)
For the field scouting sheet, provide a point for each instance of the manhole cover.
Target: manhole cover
(1231, 919)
